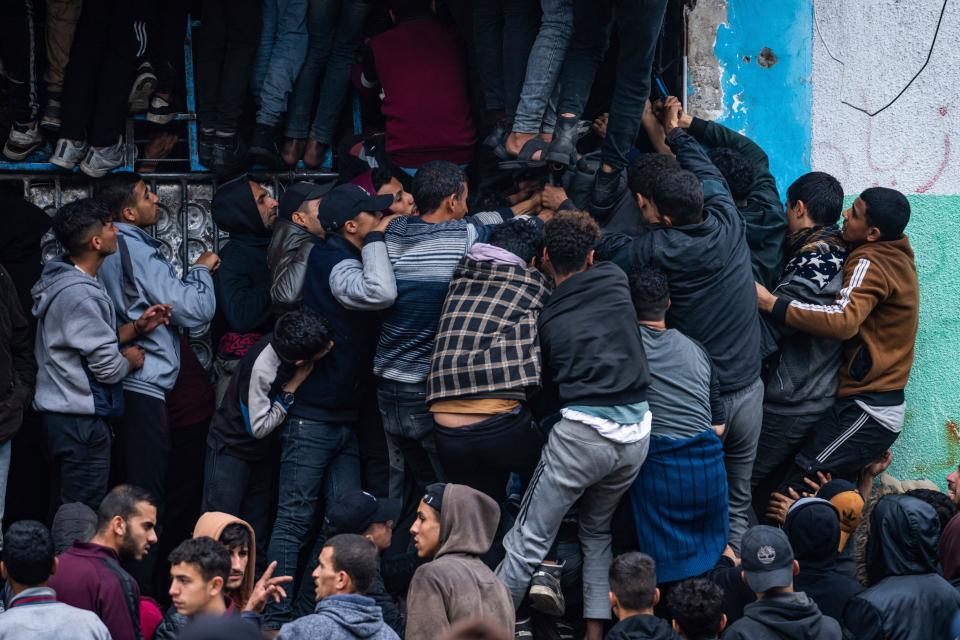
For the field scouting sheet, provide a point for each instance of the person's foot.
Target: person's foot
(158, 148)
(205, 140)
(143, 87)
(67, 153)
(51, 112)
(546, 595)
(606, 187)
(100, 161)
(263, 145)
(564, 630)
(563, 147)
(23, 139)
(515, 142)
(292, 150)
(523, 629)
(314, 154)
(160, 111)
(229, 153)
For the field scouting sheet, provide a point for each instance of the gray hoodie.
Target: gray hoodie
(139, 275)
(79, 364)
(345, 617)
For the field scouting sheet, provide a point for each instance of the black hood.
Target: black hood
(235, 210)
(904, 533)
(791, 616)
(813, 527)
(642, 626)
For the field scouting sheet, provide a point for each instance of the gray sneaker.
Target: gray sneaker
(102, 160)
(23, 139)
(67, 153)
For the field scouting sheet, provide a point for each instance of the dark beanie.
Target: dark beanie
(434, 495)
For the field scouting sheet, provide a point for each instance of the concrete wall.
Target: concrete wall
(866, 90)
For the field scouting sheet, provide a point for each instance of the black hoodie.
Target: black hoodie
(24, 224)
(790, 616)
(909, 600)
(642, 627)
(243, 280)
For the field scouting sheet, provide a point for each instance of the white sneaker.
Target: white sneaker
(100, 161)
(23, 139)
(67, 153)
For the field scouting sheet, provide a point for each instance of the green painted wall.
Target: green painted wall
(929, 445)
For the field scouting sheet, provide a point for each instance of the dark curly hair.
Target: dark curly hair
(76, 222)
(569, 236)
(521, 236)
(679, 194)
(697, 606)
(646, 169)
(300, 335)
(210, 557)
(435, 181)
(942, 504)
(28, 552)
(736, 169)
(650, 292)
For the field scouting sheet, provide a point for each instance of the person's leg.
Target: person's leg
(225, 481)
(269, 21)
(488, 32)
(80, 449)
(781, 438)
(258, 508)
(596, 513)
(243, 32)
(19, 42)
(145, 442)
(168, 36)
(374, 451)
(4, 473)
(307, 449)
(744, 410)
(521, 20)
(62, 16)
(321, 29)
(409, 426)
(287, 57)
(82, 74)
(592, 22)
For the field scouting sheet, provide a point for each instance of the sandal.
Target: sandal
(524, 159)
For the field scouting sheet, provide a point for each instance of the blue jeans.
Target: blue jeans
(283, 48)
(318, 461)
(408, 425)
(503, 34)
(543, 65)
(335, 29)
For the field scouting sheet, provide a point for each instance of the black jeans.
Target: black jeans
(503, 33)
(848, 439)
(483, 455)
(168, 29)
(639, 23)
(109, 36)
(143, 440)
(19, 48)
(79, 449)
(225, 49)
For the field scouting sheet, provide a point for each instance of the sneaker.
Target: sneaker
(523, 629)
(263, 144)
(100, 161)
(229, 154)
(160, 111)
(546, 595)
(23, 139)
(143, 88)
(564, 630)
(67, 153)
(51, 113)
(205, 142)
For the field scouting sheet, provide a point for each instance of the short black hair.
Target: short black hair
(679, 194)
(122, 501)
(522, 237)
(650, 292)
(380, 176)
(646, 170)
(210, 557)
(940, 502)
(116, 191)
(487, 199)
(76, 222)
(435, 181)
(28, 552)
(736, 170)
(888, 210)
(633, 579)
(697, 606)
(822, 195)
(300, 335)
(235, 535)
(357, 556)
(569, 236)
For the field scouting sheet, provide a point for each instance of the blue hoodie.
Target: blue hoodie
(345, 617)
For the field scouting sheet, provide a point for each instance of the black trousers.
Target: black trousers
(168, 30)
(79, 450)
(19, 48)
(110, 35)
(225, 49)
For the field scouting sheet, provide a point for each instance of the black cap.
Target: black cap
(346, 202)
(298, 193)
(766, 558)
(434, 495)
(354, 511)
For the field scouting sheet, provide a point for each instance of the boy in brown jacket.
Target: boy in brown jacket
(876, 313)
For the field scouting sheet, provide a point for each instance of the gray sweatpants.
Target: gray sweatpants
(744, 419)
(576, 461)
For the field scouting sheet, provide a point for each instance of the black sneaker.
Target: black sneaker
(546, 595)
(51, 112)
(263, 145)
(523, 629)
(205, 141)
(160, 111)
(607, 188)
(23, 139)
(229, 154)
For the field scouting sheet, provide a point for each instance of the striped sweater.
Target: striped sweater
(423, 256)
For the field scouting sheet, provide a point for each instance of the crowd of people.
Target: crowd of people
(608, 384)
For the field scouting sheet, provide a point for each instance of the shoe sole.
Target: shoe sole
(545, 600)
(97, 173)
(17, 156)
(160, 119)
(50, 125)
(139, 98)
(63, 164)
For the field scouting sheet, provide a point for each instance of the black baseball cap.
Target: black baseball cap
(298, 193)
(354, 511)
(346, 202)
(766, 558)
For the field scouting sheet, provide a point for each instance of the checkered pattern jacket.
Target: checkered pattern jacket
(487, 342)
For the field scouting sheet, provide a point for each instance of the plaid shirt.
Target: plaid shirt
(487, 339)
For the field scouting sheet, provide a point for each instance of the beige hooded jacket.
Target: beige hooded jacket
(212, 524)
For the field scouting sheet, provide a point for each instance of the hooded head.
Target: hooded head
(73, 521)
(243, 208)
(949, 548)
(468, 521)
(212, 524)
(813, 528)
(904, 532)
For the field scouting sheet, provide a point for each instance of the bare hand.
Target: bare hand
(527, 207)
(765, 299)
(670, 114)
(779, 505)
(546, 214)
(385, 222)
(822, 479)
(654, 130)
(134, 355)
(552, 197)
(267, 588)
(719, 429)
(153, 317)
(210, 260)
(879, 465)
(600, 125)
